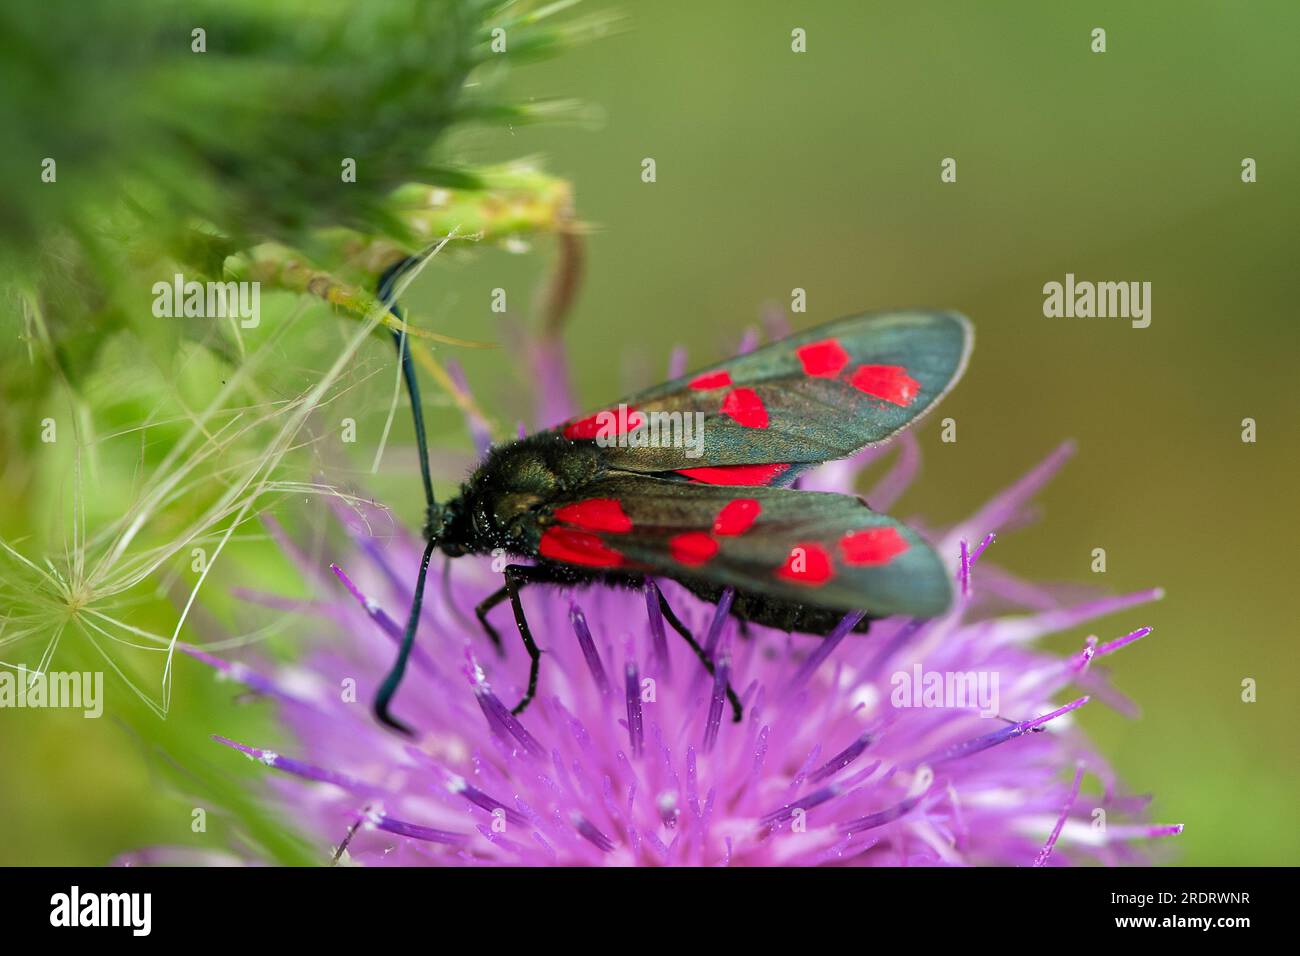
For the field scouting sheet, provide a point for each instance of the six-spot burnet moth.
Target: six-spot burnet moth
(721, 518)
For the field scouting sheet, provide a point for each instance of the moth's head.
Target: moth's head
(440, 527)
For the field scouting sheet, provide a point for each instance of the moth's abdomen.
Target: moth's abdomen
(781, 615)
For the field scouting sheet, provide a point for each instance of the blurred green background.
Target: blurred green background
(821, 171)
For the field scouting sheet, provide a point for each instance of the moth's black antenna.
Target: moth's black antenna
(387, 283)
(388, 689)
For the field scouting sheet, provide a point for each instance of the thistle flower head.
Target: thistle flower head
(883, 749)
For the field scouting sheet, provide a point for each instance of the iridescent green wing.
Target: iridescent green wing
(801, 546)
(812, 397)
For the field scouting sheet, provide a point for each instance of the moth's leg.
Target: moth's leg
(481, 612)
(523, 573)
(737, 711)
(517, 575)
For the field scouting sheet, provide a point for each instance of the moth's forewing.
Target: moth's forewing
(815, 396)
(802, 547)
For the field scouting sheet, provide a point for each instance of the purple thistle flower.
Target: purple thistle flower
(853, 749)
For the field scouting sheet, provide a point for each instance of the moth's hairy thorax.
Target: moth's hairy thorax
(503, 502)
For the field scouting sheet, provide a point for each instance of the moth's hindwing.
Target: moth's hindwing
(812, 397)
(801, 546)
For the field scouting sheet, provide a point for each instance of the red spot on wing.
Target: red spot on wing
(692, 547)
(871, 546)
(888, 382)
(735, 474)
(744, 405)
(609, 419)
(823, 359)
(596, 514)
(709, 380)
(736, 516)
(578, 547)
(808, 563)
